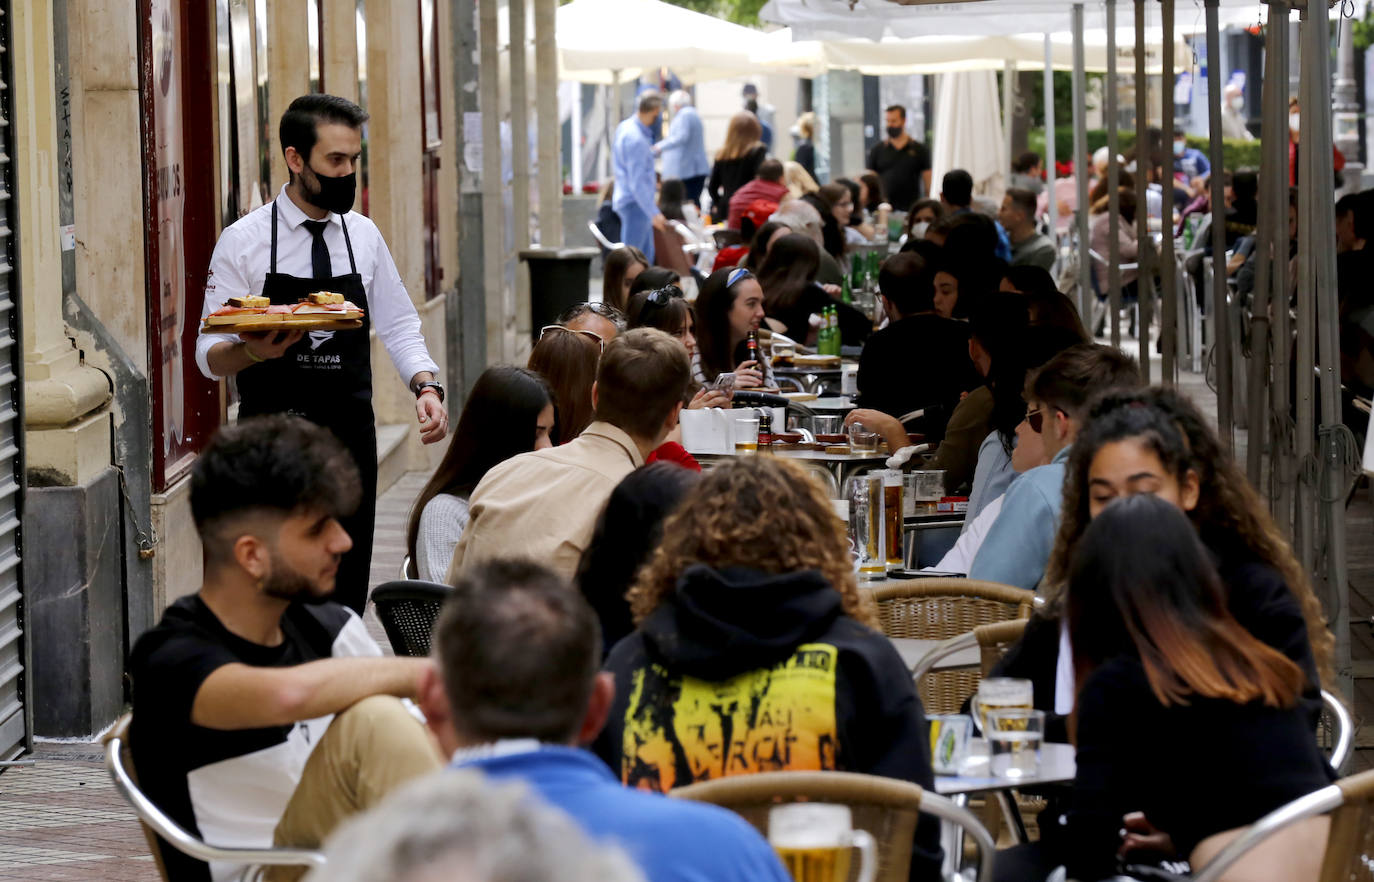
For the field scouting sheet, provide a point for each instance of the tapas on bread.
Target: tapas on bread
(321, 311)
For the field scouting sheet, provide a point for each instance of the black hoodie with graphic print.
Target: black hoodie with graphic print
(739, 672)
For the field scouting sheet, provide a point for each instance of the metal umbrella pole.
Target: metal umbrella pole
(1304, 527)
(1051, 154)
(1282, 453)
(1168, 278)
(1081, 170)
(1337, 445)
(1144, 165)
(1113, 184)
(1269, 214)
(1221, 322)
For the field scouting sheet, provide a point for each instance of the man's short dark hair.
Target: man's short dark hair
(298, 124)
(1025, 162)
(957, 188)
(1024, 200)
(896, 108)
(269, 464)
(769, 170)
(908, 280)
(650, 101)
(518, 648)
(642, 376)
(1078, 375)
(1347, 204)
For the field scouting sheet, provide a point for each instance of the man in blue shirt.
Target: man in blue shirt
(956, 192)
(632, 163)
(1191, 163)
(684, 150)
(518, 689)
(1017, 546)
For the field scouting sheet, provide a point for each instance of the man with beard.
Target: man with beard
(309, 240)
(259, 706)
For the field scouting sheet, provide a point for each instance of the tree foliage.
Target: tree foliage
(744, 12)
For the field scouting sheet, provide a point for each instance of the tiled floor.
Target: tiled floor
(62, 820)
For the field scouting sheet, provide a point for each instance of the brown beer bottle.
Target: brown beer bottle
(765, 432)
(753, 344)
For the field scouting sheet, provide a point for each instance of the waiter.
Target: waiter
(308, 240)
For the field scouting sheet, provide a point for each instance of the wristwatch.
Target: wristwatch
(430, 384)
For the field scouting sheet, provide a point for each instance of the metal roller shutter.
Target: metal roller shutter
(15, 727)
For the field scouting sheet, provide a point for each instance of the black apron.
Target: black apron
(327, 379)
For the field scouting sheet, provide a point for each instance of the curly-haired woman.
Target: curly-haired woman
(755, 651)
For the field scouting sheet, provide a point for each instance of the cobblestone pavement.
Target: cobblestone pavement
(62, 819)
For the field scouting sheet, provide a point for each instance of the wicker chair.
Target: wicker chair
(885, 807)
(1349, 845)
(408, 609)
(938, 609)
(1336, 731)
(156, 825)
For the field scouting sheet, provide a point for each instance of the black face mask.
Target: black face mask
(335, 194)
(894, 131)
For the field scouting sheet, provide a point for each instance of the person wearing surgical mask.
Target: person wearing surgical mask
(902, 162)
(1233, 113)
(308, 240)
(921, 216)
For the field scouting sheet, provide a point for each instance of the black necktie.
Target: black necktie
(319, 251)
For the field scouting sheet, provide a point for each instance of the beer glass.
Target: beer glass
(892, 517)
(1000, 693)
(747, 435)
(1014, 738)
(866, 524)
(814, 840)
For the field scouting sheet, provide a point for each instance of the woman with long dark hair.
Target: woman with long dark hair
(509, 411)
(1157, 442)
(621, 267)
(567, 360)
(830, 200)
(791, 294)
(1183, 713)
(729, 306)
(763, 239)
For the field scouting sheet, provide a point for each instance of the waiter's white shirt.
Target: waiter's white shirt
(243, 256)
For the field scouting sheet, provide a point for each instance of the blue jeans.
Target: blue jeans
(637, 229)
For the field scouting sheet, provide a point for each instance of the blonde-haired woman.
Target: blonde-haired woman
(737, 161)
(755, 652)
(798, 180)
(805, 153)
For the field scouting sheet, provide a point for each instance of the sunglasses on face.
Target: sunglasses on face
(1036, 419)
(601, 344)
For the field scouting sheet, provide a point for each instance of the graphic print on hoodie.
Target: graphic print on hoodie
(780, 718)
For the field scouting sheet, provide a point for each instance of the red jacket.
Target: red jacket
(770, 191)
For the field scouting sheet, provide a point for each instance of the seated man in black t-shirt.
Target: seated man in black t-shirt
(919, 361)
(254, 700)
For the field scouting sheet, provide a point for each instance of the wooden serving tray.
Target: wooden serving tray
(254, 326)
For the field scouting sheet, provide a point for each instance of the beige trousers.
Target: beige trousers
(367, 751)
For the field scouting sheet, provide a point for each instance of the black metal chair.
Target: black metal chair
(408, 609)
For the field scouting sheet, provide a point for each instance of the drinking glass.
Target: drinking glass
(927, 488)
(866, 525)
(826, 424)
(892, 517)
(814, 840)
(747, 435)
(861, 440)
(1001, 693)
(1014, 738)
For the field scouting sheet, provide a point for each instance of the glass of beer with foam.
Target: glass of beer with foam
(815, 840)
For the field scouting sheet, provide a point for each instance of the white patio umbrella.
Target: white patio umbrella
(968, 131)
(946, 54)
(604, 41)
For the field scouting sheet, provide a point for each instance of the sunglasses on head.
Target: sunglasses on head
(601, 344)
(663, 296)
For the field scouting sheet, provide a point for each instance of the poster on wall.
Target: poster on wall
(181, 215)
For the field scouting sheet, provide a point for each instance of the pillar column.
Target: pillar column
(339, 37)
(288, 71)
